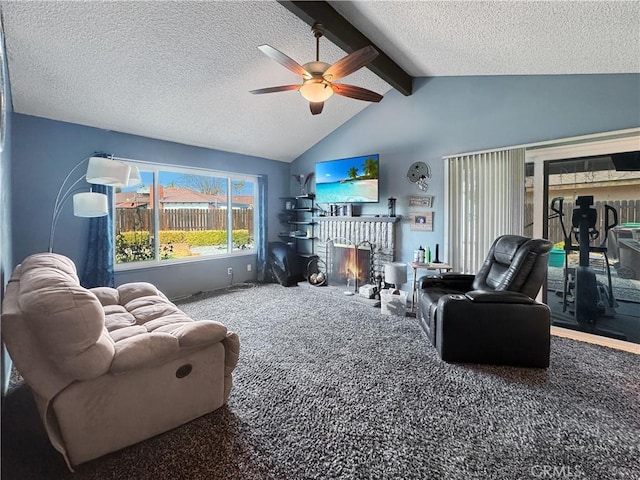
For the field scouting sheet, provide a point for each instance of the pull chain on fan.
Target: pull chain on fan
(317, 76)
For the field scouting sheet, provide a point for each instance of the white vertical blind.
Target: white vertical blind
(485, 199)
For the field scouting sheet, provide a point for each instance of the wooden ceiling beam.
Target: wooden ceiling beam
(350, 39)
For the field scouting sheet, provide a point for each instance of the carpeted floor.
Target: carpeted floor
(333, 389)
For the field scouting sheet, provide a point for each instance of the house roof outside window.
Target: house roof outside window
(178, 197)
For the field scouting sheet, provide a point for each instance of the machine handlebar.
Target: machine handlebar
(609, 225)
(556, 207)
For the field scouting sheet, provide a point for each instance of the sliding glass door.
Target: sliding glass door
(601, 293)
(592, 286)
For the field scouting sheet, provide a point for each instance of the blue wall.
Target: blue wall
(6, 256)
(448, 115)
(44, 151)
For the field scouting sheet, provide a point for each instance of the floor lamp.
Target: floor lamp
(100, 171)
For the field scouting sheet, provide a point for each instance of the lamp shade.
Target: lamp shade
(395, 273)
(90, 204)
(134, 177)
(106, 171)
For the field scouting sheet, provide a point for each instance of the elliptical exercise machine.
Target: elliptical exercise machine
(589, 297)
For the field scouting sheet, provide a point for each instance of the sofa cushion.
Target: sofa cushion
(130, 291)
(106, 295)
(167, 320)
(126, 332)
(150, 308)
(116, 316)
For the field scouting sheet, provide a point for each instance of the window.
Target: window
(179, 214)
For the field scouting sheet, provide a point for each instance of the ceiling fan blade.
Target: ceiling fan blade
(282, 88)
(351, 63)
(316, 107)
(284, 60)
(358, 93)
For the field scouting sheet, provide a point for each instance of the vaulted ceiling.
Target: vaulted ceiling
(182, 71)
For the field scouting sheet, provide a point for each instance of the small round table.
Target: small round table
(415, 266)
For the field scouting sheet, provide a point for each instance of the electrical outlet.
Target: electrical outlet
(248, 267)
(229, 271)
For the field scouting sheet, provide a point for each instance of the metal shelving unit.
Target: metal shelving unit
(297, 215)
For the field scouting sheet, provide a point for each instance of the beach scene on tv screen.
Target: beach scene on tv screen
(349, 180)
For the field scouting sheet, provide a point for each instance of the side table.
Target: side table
(415, 266)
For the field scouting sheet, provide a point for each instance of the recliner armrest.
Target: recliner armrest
(455, 281)
(166, 343)
(486, 296)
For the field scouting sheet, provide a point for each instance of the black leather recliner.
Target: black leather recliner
(491, 317)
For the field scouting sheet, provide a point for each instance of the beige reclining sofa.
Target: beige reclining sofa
(110, 367)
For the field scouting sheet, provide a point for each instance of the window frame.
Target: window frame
(155, 169)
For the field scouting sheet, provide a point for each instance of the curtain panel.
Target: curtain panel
(99, 265)
(261, 230)
(484, 199)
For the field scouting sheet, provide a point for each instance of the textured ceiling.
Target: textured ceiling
(182, 71)
(443, 38)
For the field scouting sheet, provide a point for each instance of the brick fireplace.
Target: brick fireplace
(377, 235)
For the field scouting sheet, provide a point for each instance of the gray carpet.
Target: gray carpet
(328, 388)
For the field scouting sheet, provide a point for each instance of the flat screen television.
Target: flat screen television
(348, 180)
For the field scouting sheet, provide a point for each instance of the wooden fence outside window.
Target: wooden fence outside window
(186, 219)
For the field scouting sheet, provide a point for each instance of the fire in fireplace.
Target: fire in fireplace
(350, 263)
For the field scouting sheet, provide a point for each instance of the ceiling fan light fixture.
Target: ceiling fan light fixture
(316, 90)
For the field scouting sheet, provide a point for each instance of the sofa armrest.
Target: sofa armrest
(146, 349)
(454, 281)
(487, 296)
(143, 350)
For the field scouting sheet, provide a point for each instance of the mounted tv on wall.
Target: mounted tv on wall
(348, 180)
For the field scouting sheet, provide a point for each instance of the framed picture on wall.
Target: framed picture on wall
(424, 201)
(421, 221)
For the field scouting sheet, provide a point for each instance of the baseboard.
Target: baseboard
(596, 339)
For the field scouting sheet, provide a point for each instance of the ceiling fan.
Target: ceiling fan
(318, 77)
